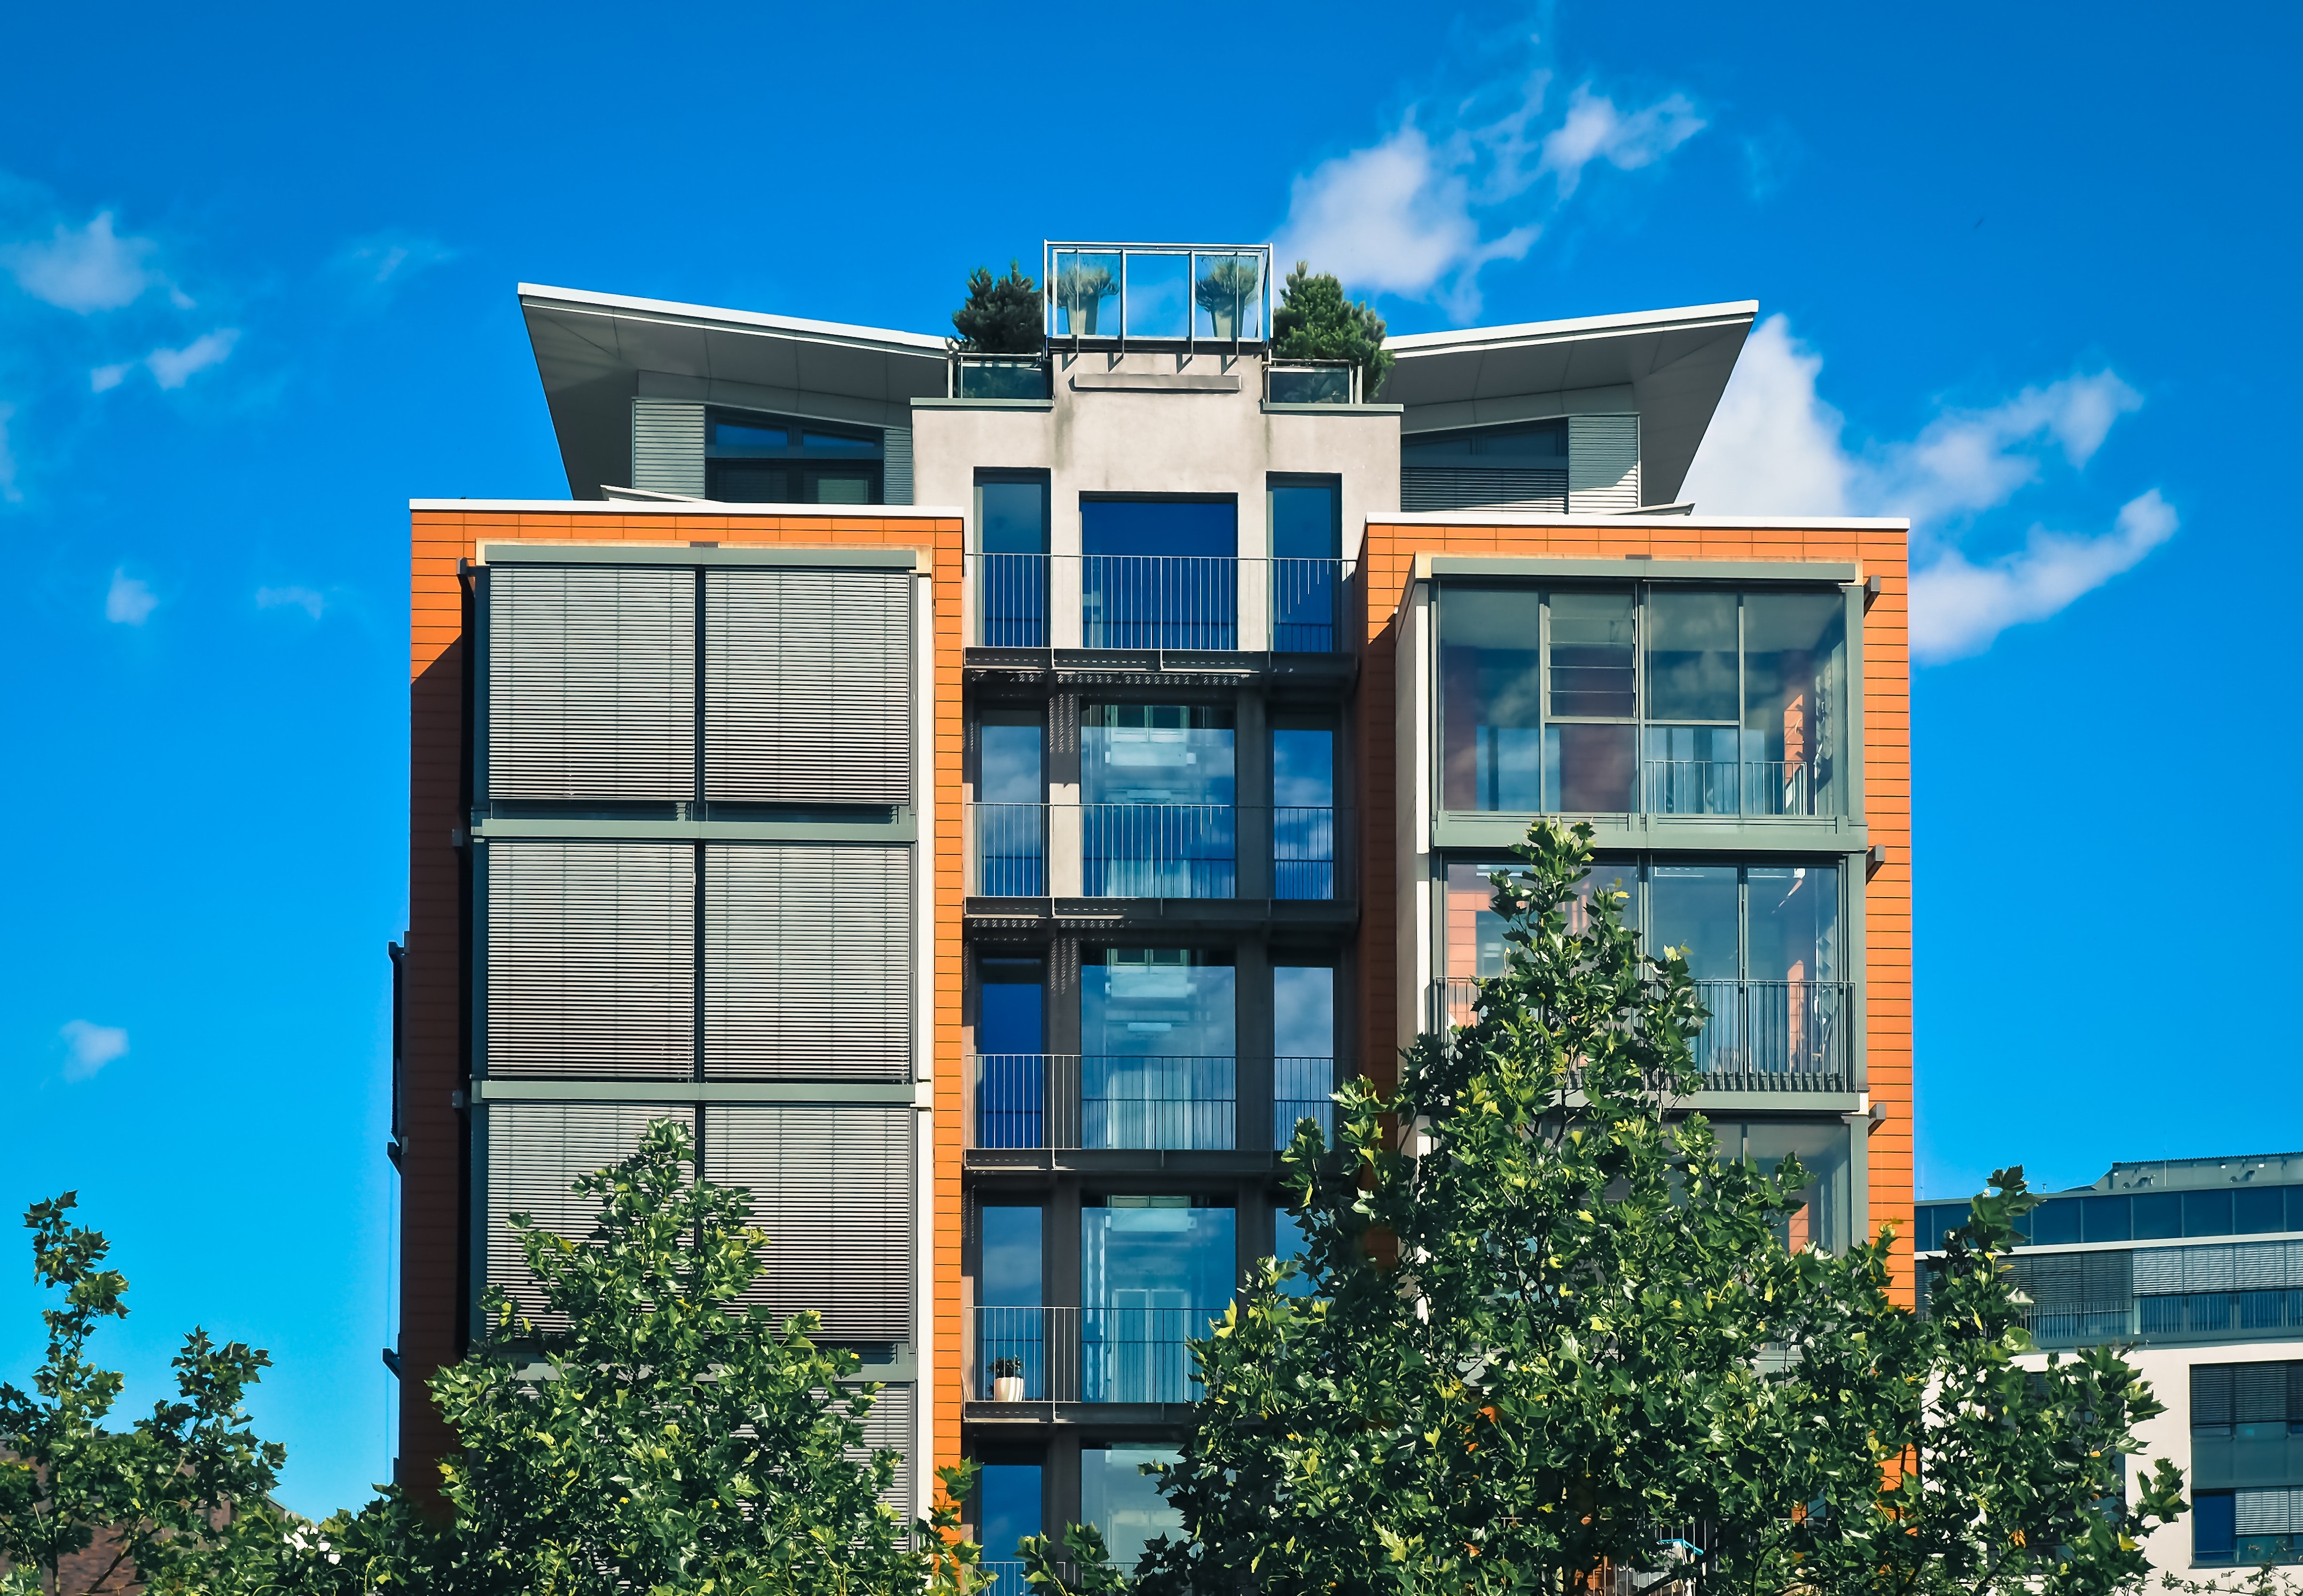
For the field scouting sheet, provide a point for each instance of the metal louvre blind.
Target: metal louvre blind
(807, 962)
(535, 1152)
(831, 1185)
(1603, 464)
(2277, 1511)
(896, 472)
(893, 1426)
(809, 687)
(2074, 1279)
(1463, 488)
(668, 446)
(591, 682)
(591, 960)
(2238, 1266)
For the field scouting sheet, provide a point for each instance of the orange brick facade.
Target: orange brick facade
(1878, 550)
(432, 1221)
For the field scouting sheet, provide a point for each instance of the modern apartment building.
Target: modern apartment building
(993, 799)
(2195, 1267)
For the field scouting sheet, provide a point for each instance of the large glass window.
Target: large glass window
(1303, 1048)
(1306, 551)
(1011, 853)
(1154, 1272)
(1160, 573)
(1008, 1508)
(1012, 550)
(1011, 1331)
(1680, 701)
(1524, 467)
(752, 458)
(1123, 1502)
(1158, 1045)
(1303, 809)
(1157, 782)
(1011, 1046)
(1822, 1151)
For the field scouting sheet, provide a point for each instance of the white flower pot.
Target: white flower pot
(1007, 1388)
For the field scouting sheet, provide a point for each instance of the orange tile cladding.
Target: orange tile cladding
(1876, 550)
(432, 1045)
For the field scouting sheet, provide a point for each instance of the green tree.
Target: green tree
(1002, 314)
(1315, 322)
(1552, 1331)
(671, 1439)
(180, 1502)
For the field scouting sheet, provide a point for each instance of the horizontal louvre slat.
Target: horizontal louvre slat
(591, 682)
(807, 964)
(1603, 464)
(535, 1153)
(668, 446)
(591, 960)
(809, 688)
(893, 1426)
(1463, 488)
(832, 1186)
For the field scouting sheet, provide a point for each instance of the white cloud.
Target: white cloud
(1776, 448)
(92, 1046)
(390, 259)
(290, 598)
(129, 602)
(102, 379)
(9, 491)
(1595, 130)
(1957, 608)
(172, 368)
(1421, 211)
(84, 269)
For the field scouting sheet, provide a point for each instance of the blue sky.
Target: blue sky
(2032, 267)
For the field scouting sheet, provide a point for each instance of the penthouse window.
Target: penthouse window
(1510, 467)
(755, 458)
(1663, 699)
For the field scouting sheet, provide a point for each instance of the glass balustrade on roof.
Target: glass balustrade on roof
(1188, 294)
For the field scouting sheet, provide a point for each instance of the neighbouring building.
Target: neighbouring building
(2195, 1267)
(993, 799)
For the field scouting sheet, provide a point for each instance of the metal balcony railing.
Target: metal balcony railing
(1302, 1088)
(1168, 1103)
(1762, 1035)
(2068, 1325)
(1162, 602)
(1757, 788)
(1087, 1354)
(1155, 851)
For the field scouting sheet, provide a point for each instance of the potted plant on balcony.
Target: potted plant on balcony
(1230, 287)
(1007, 1379)
(1081, 290)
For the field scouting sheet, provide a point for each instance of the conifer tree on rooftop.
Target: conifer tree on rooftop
(1313, 321)
(1002, 314)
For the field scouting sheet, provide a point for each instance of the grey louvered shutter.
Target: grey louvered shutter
(1473, 487)
(590, 963)
(2259, 1394)
(590, 675)
(895, 474)
(535, 1153)
(668, 446)
(2207, 1269)
(893, 1426)
(807, 962)
(2212, 1394)
(832, 1187)
(2159, 1271)
(2258, 1267)
(808, 690)
(1603, 464)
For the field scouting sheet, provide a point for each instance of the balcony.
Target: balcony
(1135, 1355)
(1762, 1035)
(1175, 602)
(1159, 295)
(1767, 788)
(1170, 1104)
(1155, 851)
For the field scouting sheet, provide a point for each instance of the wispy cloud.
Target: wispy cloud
(84, 269)
(9, 491)
(291, 598)
(92, 1046)
(1776, 448)
(1420, 212)
(172, 368)
(386, 260)
(129, 602)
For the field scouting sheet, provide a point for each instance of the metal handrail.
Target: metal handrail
(1749, 787)
(1763, 1035)
(1149, 1103)
(1179, 602)
(1088, 1354)
(1159, 851)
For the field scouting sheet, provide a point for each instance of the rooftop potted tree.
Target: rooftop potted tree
(1081, 290)
(1226, 291)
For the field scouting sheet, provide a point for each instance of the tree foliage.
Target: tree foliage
(179, 1501)
(1313, 321)
(1552, 1331)
(1002, 314)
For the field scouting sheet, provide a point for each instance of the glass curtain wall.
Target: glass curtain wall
(1159, 1046)
(1157, 787)
(1543, 706)
(1154, 1272)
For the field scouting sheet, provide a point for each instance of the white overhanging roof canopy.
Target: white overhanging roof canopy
(598, 352)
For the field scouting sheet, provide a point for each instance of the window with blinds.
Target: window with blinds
(590, 960)
(831, 1184)
(893, 1426)
(1524, 467)
(590, 674)
(2076, 1279)
(807, 962)
(534, 1152)
(808, 695)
